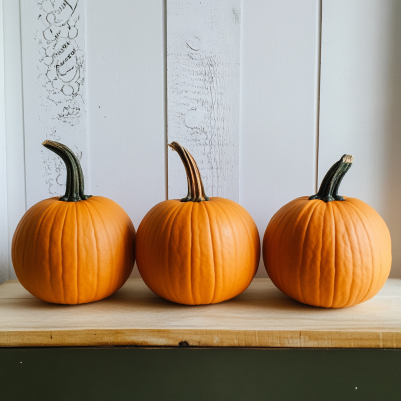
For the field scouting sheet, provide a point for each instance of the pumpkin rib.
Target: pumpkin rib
(370, 245)
(279, 228)
(97, 256)
(236, 249)
(45, 214)
(218, 276)
(351, 290)
(213, 255)
(166, 288)
(179, 209)
(245, 228)
(352, 225)
(305, 240)
(32, 225)
(107, 231)
(302, 208)
(31, 212)
(61, 251)
(171, 292)
(76, 244)
(358, 298)
(190, 252)
(321, 256)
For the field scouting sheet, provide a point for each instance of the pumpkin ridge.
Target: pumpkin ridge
(333, 225)
(173, 216)
(217, 266)
(190, 255)
(319, 297)
(37, 215)
(305, 236)
(43, 217)
(244, 224)
(287, 219)
(76, 244)
(352, 300)
(95, 208)
(214, 258)
(171, 219)
(14, 255)
(61, 252)
(370, 246)
(97, 255)
(236, 249)
(358, 298)
(348, 299)
(284, 222)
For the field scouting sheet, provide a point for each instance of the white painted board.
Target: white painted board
(279, 105)
(15, 162)
(126, 103)
(360, 104)
(4, 254)
(54, 73)
(203, 77)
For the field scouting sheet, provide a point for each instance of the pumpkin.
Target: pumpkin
(328, 250)
(197, 250)
(74, 249)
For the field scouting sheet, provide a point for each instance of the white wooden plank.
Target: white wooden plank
(203, 75)
(279, 103)
(360, 103)
(53, 48)
(126, 103)
(4, 253)
(16, 201)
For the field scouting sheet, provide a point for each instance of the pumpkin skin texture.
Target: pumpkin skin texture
(197, 253)
(331, 254)
(73, 251)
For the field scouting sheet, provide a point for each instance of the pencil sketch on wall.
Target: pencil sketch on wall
(61, 76)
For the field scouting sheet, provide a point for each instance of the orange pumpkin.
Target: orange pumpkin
(198, 250)
(74, 249)
(328, 250)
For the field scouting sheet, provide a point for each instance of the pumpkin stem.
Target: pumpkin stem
(328, 190)
(75, 178)
(196, 192)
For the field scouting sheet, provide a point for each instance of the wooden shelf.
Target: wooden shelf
(260, 317)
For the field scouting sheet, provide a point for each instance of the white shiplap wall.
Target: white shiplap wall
(126, 109)
(360, 104)
(203, 93)
(54, 91)
(279, 104)
(14, 121)
(4, 263)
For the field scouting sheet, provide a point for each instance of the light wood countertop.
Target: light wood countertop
(260, 317)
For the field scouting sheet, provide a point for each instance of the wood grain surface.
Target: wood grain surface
(203, 80)
(260, 317)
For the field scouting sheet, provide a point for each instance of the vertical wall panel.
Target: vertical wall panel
(203, 76)
(4, 262)
(16, 200)
(53, 63)
(361, 104)
(279, 95)
(126, 106)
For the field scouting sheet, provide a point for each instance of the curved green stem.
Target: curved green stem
(75, 177)
(196, 192)
(328, 190)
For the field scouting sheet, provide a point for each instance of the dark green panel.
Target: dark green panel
(75, 374)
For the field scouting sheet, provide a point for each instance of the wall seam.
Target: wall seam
(319, 77)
